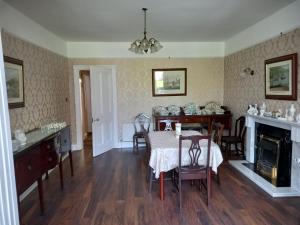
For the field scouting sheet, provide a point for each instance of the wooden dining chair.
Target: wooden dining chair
(167, 125)
(217, 130)
(217, 134)
(238, 138)
(194, 171)
(141, 126)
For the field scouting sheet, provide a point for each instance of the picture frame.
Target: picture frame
(169, 82)
(281, 77)
(14, 76)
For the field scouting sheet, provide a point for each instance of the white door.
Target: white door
(102, 109)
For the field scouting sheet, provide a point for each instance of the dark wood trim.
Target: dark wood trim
(169, 69)
(294, 59)
(8, 59)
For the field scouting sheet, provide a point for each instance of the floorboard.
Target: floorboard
(112, 189)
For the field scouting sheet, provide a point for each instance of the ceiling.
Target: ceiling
(168, 20)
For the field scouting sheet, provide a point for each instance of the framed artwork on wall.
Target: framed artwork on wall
(169, 82)
(281, 77)
(14, 76)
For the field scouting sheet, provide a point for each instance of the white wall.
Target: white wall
(120, 50)
(283, 21)
(14, 22)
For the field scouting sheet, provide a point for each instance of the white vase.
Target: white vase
(292, 111)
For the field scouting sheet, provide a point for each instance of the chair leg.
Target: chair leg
(243, 150)
(137, 145)
(226, 151)
(180, 197)
(133, 144)
(208, 186)
(61, 172)
(218, 176)
(71, 162)
(236, 149)
(150, 179)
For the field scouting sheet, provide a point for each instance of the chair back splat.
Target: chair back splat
(141, 126)
(142, 123)
(167, 125)
(194, 150)
(217, 132)
(195, 170)
(240, 130)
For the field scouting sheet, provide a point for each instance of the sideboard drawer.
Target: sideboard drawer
(49, 153)
(195, 119)
(27, 169)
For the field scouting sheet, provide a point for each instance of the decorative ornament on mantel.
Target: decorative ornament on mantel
(144, 46)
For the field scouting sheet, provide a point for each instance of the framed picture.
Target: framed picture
(281, 78)
(169, 82)
(14, 76)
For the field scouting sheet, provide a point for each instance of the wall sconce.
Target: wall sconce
(247, 71)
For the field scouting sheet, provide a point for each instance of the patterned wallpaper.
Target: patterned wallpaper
(240, 92)
(49, 81)
(134, 83)
(46, 84)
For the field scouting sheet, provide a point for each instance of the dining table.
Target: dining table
(165, 153)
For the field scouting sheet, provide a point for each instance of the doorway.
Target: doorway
(86, 110)
(103, 107)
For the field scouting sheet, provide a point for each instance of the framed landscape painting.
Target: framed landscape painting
(281, 77)
(14, 76)
(169, 82)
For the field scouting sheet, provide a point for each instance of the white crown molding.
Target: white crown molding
(284, 20)
(16, 23)
(120, 50)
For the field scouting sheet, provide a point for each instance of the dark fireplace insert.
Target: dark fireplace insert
(273, 153)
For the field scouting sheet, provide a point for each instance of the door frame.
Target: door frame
(8, 194)
(78, 116)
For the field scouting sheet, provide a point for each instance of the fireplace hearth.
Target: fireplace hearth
(274, 166)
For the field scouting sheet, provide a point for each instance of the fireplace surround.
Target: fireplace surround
(287, 139)
(273, 150)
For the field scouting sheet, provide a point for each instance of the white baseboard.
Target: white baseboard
(124, 144)
(34, 185)
(127, 144)
(76, 147)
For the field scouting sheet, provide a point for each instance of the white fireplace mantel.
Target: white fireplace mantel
(294, 127)
(284, 124)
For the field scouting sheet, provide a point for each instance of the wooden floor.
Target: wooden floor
(111, 189)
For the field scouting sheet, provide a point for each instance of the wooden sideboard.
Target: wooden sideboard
(225, 119)
(40, 154)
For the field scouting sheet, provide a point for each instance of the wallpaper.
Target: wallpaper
(240, 92)
(46, 85)
(205, 81)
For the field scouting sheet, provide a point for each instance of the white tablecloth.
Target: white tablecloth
(165, 151)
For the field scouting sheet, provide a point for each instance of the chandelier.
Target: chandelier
(144, 45)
